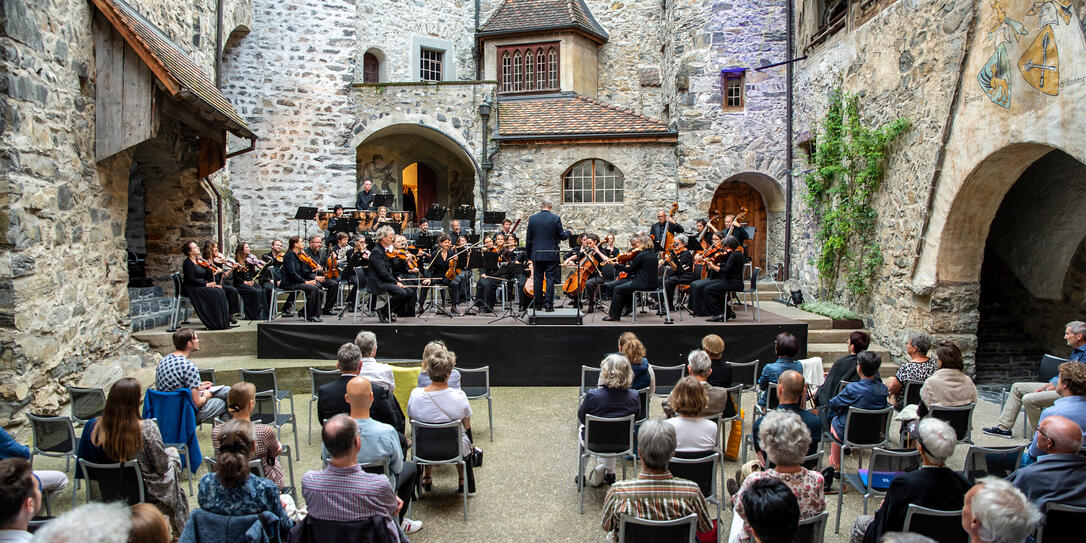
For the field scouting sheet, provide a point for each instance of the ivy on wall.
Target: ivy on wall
(847, 167)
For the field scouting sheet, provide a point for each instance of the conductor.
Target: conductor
(541, 243)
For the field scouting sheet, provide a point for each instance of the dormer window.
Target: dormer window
(531, 67)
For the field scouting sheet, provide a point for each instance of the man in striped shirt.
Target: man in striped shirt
(655, 494)
(342, 492)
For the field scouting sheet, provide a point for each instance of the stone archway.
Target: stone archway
(386, 154)
(760, 195)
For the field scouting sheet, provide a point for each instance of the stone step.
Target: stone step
(832, 351)
(814, 322)
(831, 335)
(232, 342)
(145, 293)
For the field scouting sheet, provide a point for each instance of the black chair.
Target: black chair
(114, 482)
(604, 437)
(701, 470)
(912, 392)
(312, 530)
(666, 378)
(881, 461)
(638, 530)
(960, 418)
(178, 297)
(936, 524)
(745, 373)
(277, 292)
(996, 461)
(1061, 523)
(812, 530)
(751, 294)
(207, 374)
(266, 381)
(439, 444)
(643, 398)
(475, 382)
(87, 403)
(1048, 368)
(267, 412)
(53, 436)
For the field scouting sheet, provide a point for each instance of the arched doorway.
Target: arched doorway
(737, 193)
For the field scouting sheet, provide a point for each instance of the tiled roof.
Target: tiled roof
(515, 16)
(181, 77)
(571, 116)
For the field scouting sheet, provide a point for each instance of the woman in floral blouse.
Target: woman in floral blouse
(919, 367)
(785, 438)
(232, 490)
(240, 403)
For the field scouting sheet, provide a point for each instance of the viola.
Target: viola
(332, 265)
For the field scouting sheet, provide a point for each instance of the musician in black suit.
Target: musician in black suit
(737, 229)
(330, 285)
(332, 401)
(664, 224)
(294, 278)
(541, 242)
(642, 276)
(680, 269)
(364, 201)
(401, 299)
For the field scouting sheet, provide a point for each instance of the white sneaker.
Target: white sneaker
(595, 478)
(410, 526)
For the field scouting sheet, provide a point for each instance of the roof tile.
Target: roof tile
(572, 115)
(514, 16)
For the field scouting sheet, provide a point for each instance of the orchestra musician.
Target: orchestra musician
(439, 265)
(704, 236)
(502, 271)
(541, 242)
(424, 229)
(680, 269)
(253, 295)
(298, 275)
(607, 247)
(455, 231)
(274, 259)
(736, 229)
(664, 224)
(198, 283)
(465, 274)
(210, 253)
(333, 221)
(364, 200)
(725, 275)
(329, 285)
(401, 299)
(507, 229)
(340, 249)
(589, 249)
(642, 276)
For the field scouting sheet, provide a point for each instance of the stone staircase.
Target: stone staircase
(149, 307)
(827, 342)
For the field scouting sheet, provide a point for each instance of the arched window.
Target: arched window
(518, 72)
(371, 68)
(541, 70)
(507, 75)
(592, 181)
(529, 70)
(552, 68)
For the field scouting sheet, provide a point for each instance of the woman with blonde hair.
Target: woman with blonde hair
(240, 403)
(613, 399)
(438, 403)
(634, 351)
(693, 433)
(427, 354)
(119, 435)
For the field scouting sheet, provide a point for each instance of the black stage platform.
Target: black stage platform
(523, 355)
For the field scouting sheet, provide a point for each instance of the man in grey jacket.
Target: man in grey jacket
(1058, 475)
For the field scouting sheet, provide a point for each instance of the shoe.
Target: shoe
(548, 309)
(383, 318)
(287, 314)
(410, 526)
(590, 309)
(627, 312)
(233, 320)
(595, 477)
(427, 483)
(828, 473)
(393, 317)
(314, 319)
(731, 315)
(609, 479)
(718, 318)
(997, 431)
(229, 326)
(609, 318)
(733, 487)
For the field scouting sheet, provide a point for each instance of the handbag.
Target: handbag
(476, 457)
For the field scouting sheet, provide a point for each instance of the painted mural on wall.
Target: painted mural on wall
(1031, 31)
(381, 173)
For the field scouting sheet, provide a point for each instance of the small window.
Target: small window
(733, 90)
(592, 181)
(541, 70)
(552, 68)
(529, 67)
(529, 70)
(518, 75)
(370, 68)
(507, 73)
(430, 63)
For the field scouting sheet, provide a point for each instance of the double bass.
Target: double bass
(669, 238)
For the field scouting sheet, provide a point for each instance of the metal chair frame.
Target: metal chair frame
(583, 450)
(456, 459)
(625, 521)
(974, 451)
(133, 465)
(1050, 507)
(276, 419)
(909, 395)
(259, 378)
(818, 526)
(752, 294)
(35, 449)
(316, 381)
(936, 410)
(740, 375)
(640, 297)
(276, 292)
(664, 390)
(716, 459)
(466, 387)
(585, 372)
(735, 392)
(854, 480)
(175, 277)
(919, 512)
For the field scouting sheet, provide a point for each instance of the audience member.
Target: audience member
(148, 525)
(655, 494)
(175, 371)
(693, 433)
(613, 399)
(935, 486)
(785, 439)
(20, 499)
(772, 511)
(98, 522)
(1059, 474)
(232, 490)
(843, 369)
(119, 435)
(431, 348)
(370, 368)
(332, 397)
(996, 512)
(918, 367)
(634, 351)
(721, 375)
(792, 391)
(949, 386)
(438, 404)
(240, 404)
(699, 367)
(786, 347)
(1071, 386)
(905, 537)
(343, 492)
(1034, 396)
(382, 443)
(867, 393)
(50, 481)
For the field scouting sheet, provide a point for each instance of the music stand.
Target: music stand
(464, 212)
(305, 213)
(436, 213)
(384, 199)
(425, 242)
(493, 217)
(473, 239)
(477, 259)
(345, 225)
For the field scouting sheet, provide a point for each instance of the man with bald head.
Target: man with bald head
(381, 442)
(792, 393)
(1059, 474)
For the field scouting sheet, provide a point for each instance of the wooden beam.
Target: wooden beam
(171, 85)
(185, 114)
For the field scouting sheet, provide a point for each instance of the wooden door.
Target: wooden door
(728, 198)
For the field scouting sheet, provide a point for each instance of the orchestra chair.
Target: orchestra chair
(632, 529)
(115, 482)
(178, 297)
(641, 297)
(750, 295)
(277, 292)
(374, 289)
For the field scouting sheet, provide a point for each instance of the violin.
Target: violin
(333, 265)
(455, 268)
(211, 267)
(252, 260)
(305, 258)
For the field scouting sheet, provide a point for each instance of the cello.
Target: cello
(577, 279)
(529, 285)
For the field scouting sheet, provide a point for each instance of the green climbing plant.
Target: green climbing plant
(847, 167)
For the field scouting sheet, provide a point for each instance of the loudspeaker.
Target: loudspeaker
(797, 298)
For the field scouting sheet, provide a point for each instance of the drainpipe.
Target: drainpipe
(484, 114)
(218, 47)
(788, 152)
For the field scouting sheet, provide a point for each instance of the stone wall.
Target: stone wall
(63, 276)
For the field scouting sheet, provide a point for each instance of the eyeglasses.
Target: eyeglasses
(1048, 437)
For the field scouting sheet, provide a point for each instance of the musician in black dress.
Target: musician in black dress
(297, 275)
(401, 299)
(725, 275)
(679, 269)
(439, 265)
(607, 247)
(703, 237)
(273, 262)
(245, 282)
(210, 253)
(642, 276)
(198, 284)
(328, 284)
(495, 272)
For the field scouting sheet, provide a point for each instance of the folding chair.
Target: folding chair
(439, 444)
(666, 378)
(116, 482)
(475, 382)
(87, 403)
(637, 530)
(266, 380)
(882, 461)
(751, 294)
(771, 401)
(317, 379)
(936, 524)
(604, 438)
